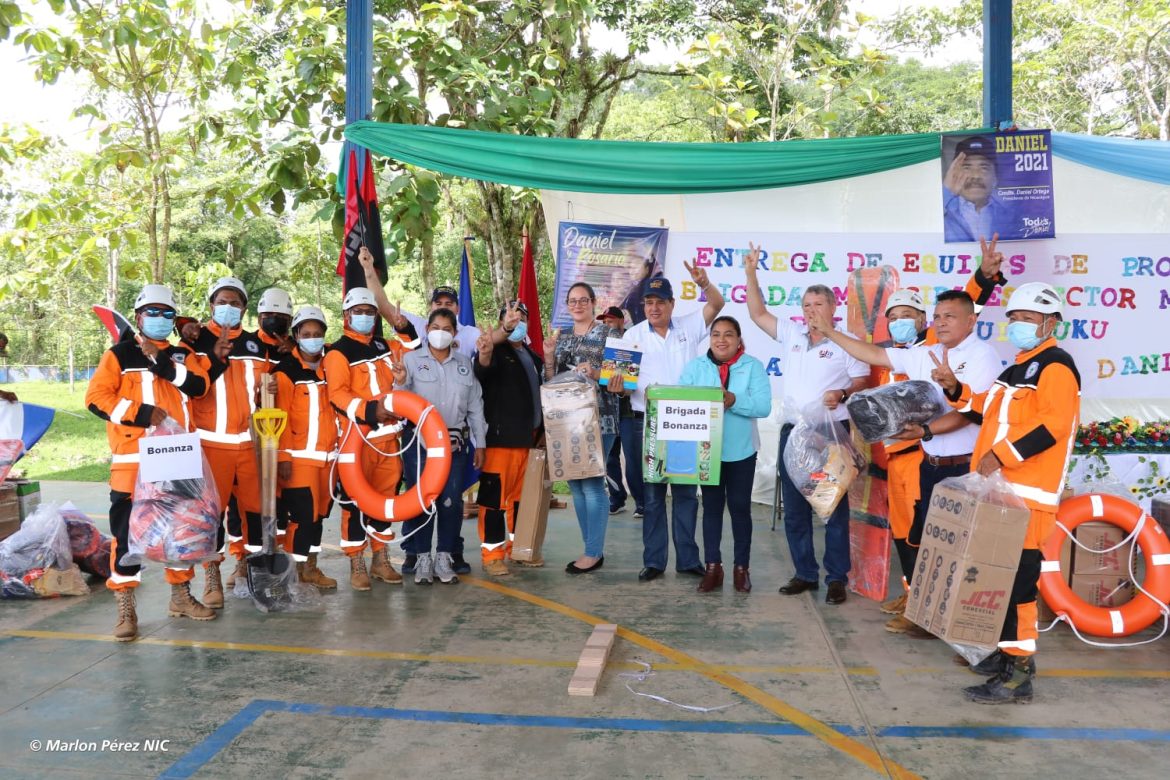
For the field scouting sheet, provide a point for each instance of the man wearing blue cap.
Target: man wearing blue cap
(971, 208)
(668, 344)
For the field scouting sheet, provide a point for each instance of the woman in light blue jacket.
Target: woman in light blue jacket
(747, 395)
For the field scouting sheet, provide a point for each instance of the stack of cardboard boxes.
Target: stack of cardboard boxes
(19, 498)
(967, 563)
(572, 430)
(532, 514)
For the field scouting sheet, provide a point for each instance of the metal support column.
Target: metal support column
(359, 65)
(997, 62)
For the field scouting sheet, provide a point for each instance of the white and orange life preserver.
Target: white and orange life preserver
(1129, 618)
(412, 503)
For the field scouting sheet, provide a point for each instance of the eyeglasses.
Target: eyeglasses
(156, 312)
(579, 301)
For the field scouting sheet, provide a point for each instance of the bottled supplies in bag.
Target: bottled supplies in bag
(881, 412)
(821, 460)
(174, 521)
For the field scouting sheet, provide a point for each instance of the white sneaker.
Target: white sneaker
(445, 568)
(424, 569)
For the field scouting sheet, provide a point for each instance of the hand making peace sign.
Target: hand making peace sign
(698, 275)
(942, 372)
(992, 259)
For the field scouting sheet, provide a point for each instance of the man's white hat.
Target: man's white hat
(358, 296)
(275, 301)
(1035, 296)
(904, 297)
(227, 283)
(306, 314)
(156, 294)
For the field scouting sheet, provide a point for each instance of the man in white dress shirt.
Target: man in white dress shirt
(948, 440)
(816, 370)
(668, 344)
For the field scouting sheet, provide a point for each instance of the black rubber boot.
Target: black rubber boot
(1013, 685)
(989, 666)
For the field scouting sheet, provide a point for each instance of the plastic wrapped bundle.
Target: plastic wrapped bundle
(41, 543)
(174, 522)
(821, 460)
(572, 427)
(90, 547)
(881, 412)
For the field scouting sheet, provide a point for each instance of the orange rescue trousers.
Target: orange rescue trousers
(383, 472)
(237, 475)
(500, 484)
(306, 500)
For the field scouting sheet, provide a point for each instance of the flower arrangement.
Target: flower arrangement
(1123, 434)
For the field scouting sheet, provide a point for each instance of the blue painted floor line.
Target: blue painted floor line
(206, 750)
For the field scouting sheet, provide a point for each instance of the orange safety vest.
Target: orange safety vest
(357, 369)
(224, 416)
(1029, 420)
(127, 386)
(311, 432)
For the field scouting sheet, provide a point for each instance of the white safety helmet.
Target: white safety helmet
(156, 294)
(1035, 296)
(275, 301)
(227, 283)
(358, 296)
(306, 314)
(905, 297)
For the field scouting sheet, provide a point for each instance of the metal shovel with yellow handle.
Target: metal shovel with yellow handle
(271, 572)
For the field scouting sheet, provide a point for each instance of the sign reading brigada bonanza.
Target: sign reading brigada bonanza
(998, 183)
(612, 259)
(165, 458)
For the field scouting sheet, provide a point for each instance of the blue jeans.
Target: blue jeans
(631, 439)
(684, 513)
(798, 527)
(735, 491)
(613, 475)
(409, 467)
(591, 503)
(449, 511)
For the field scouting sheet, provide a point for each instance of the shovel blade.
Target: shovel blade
(270, 578)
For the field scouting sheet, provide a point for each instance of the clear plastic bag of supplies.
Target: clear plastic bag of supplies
(572, 427)
(969, 553)
(174, 522)
(880, 412)
(821, 460)
(91, 548)
(37, 553)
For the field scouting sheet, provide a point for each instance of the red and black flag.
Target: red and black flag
(363, 223)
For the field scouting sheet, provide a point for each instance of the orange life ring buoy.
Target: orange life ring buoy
(412, 503)
(1129, 618)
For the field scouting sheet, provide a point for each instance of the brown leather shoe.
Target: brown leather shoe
(797, 585)
(742, 580)
(712, 578)
(836, 593)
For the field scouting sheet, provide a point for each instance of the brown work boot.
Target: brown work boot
(314, 576)
(359, 579)
(127, 628)
(497, 568)
(895, 606)
(712, 578)
(212, 585)
(239, 573)
(183, 604)
(742, 579)
(900, 625)
(380, 568)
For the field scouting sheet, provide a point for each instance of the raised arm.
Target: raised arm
(715, 300)
(757, 309)
(856, 348)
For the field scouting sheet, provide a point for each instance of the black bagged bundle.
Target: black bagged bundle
(881, 412)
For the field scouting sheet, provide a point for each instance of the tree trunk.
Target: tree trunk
(112, 279)
(427, 245)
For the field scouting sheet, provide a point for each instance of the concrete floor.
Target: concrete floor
(470, 680)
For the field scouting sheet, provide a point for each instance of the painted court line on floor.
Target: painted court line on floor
(203, 753)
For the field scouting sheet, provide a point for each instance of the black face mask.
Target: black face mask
(277, 327)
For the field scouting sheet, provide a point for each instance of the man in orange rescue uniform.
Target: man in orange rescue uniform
(357, 370)
(307, 444)
(139, 383)
(1031, 415)
(236, 362)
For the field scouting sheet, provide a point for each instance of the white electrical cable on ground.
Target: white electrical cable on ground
(647, 673)
(1162, 606)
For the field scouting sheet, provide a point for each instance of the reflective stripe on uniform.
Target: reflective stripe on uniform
(225, 438)
(130, 457)
(119, 412)
(1037, 495)
(1027, 645)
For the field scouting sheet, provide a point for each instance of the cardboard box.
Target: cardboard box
(532, 514)
(990, 533)
(683, 434)
(1110, 590)
(29, 495)
(966, 565)
(1101, 536)
(10, 518)
(572, 430)
(1160, 511)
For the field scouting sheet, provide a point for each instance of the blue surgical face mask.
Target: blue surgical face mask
(311, 346)
(903, 331)
(519, 332)
(226, 315)
(157, 328)
(1023, 335)
(362, 323)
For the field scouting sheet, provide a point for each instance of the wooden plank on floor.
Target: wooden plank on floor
(591, 664)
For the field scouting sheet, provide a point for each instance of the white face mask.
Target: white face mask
(440, 339)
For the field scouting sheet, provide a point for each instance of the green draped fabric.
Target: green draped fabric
(638, 167)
